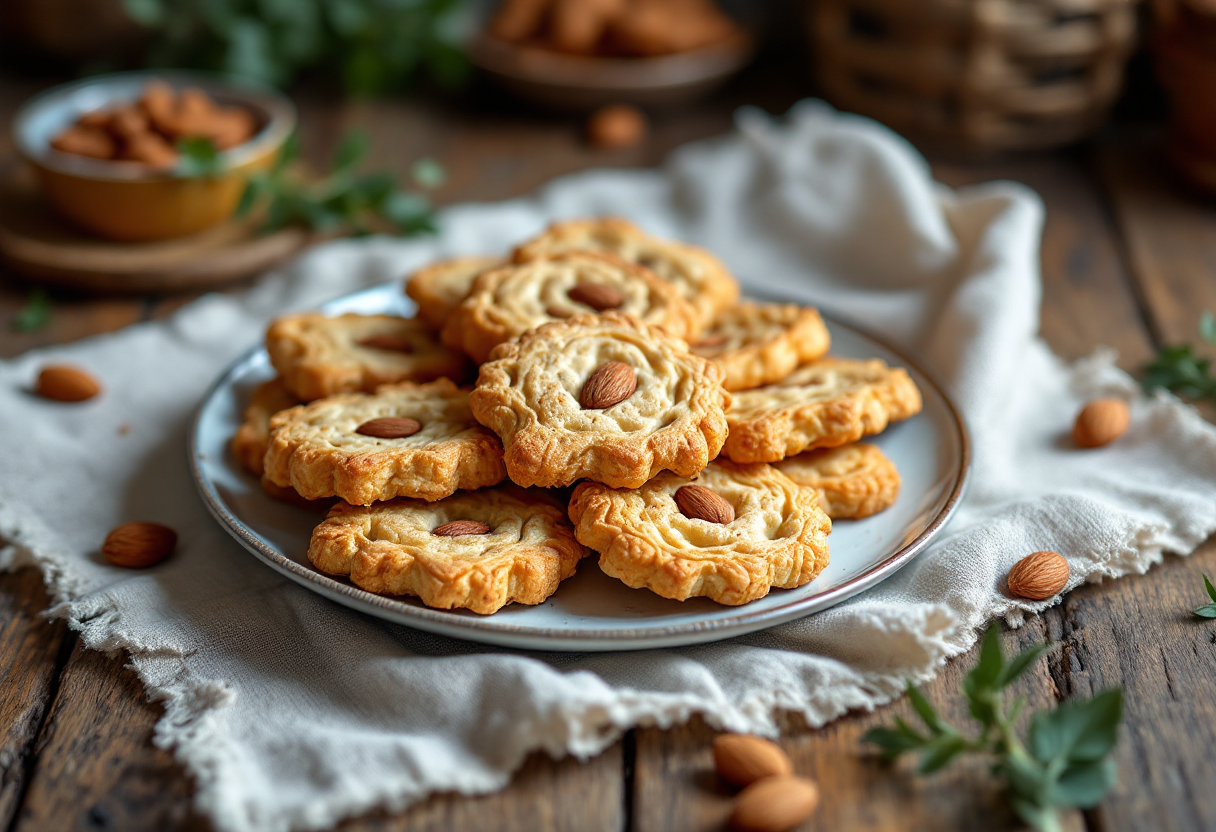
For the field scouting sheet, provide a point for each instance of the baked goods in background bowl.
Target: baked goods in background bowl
(582, 54)
(104, 149)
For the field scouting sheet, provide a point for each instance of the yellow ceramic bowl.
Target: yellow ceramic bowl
(126, 201)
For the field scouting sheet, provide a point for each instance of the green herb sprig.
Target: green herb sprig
(1176, 367)
(342, 201)
(1208, 610)
(1061, 763)
(35, 314)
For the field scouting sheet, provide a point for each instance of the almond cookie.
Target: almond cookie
(603, 397)
(319, 356)
(405, 440)
(762, 343)
(700, 277)
(730, 535)
(821, 405)
(505, 303)
(440, 287)
(853, 481)
(253, 436)
(476, 551)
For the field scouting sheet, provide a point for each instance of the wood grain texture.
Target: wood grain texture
(30, 658)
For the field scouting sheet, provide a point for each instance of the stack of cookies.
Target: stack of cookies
(609, 371)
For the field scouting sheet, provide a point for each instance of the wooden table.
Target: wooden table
(1128, 261)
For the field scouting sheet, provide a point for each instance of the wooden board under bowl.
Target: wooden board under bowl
(37, 243)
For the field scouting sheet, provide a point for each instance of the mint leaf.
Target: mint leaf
(1083, 785)
(940, 752)
(427, 173)
(1077, 731)
(1207, 327)
(350, 151)
(197, 157)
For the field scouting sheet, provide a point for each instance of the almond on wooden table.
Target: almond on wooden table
(742, 759)
(699, 503)
(65, 383)
(1039, 575)
(139, 545)
(774, 804)
(1100, 422)
(610, 384)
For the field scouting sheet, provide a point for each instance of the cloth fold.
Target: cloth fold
(292, 712)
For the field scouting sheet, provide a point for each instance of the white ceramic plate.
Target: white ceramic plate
(591, 611)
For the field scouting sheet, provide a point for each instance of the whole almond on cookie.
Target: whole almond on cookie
(64, 383)
(387, 341)
(742, 759)
(1100, 422)
(774, 804)
(389, 427)
(138, 545)
(1038, 576)
(459, 528)
(610, 384)
(699, 503)
(596, 295)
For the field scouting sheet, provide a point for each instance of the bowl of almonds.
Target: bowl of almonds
(112, 153)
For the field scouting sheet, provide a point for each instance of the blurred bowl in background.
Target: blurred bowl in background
(582, 83)
(129, 201)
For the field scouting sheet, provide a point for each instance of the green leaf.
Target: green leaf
(1206, 611)
(1083, 785)
(1041, 818)
(1211, 589)
(1081, 731)
(890, 743)
(1018, 665)
(926, 713)
(350, 151)
(988, 668)
(198, 157)
(1207, 327)
(147, 13)
(940, 752)
(35, 314)
(428, 173)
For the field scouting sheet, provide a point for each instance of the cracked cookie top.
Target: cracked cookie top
(762, 343)
(700, 277)
(729, 534)
(404, 440)
(504, 303)
(476, 551)
(440, 287)
(603, 397)
(318, 355)
(830, 402)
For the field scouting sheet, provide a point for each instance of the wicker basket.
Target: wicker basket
(980, 74)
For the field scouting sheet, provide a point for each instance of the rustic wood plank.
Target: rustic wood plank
(30, 658)
(676, 788)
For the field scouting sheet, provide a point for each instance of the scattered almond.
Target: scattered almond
(699, 503)
(64, 383)
(616, 126)
(138, 545)
(742, 759)
(389, 427)
(1100, 422)
(387, 341)
(596, 295)
(459, 528)
(1038, 575)
(610, 384)
(774, 804)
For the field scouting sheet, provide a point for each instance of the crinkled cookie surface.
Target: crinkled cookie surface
(762, 343)
(853, 481)
(440, 287)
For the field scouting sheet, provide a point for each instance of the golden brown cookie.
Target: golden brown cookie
(699, 276)
(830, 402)
(762, 343)
(405, 440)
(440, 287)
(763, 530)
(505, 303)
(853, 481)
(603, 397)
(253, 436)
(477, 551)
(320, 356)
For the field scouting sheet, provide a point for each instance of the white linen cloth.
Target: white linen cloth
(292, 712)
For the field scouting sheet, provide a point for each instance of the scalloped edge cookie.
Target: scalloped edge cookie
(539, 452)
(853, 481)
(252, 438)
(440, 287)
(771, 423)
(764, 343)
(382, 548)
(633, 530)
